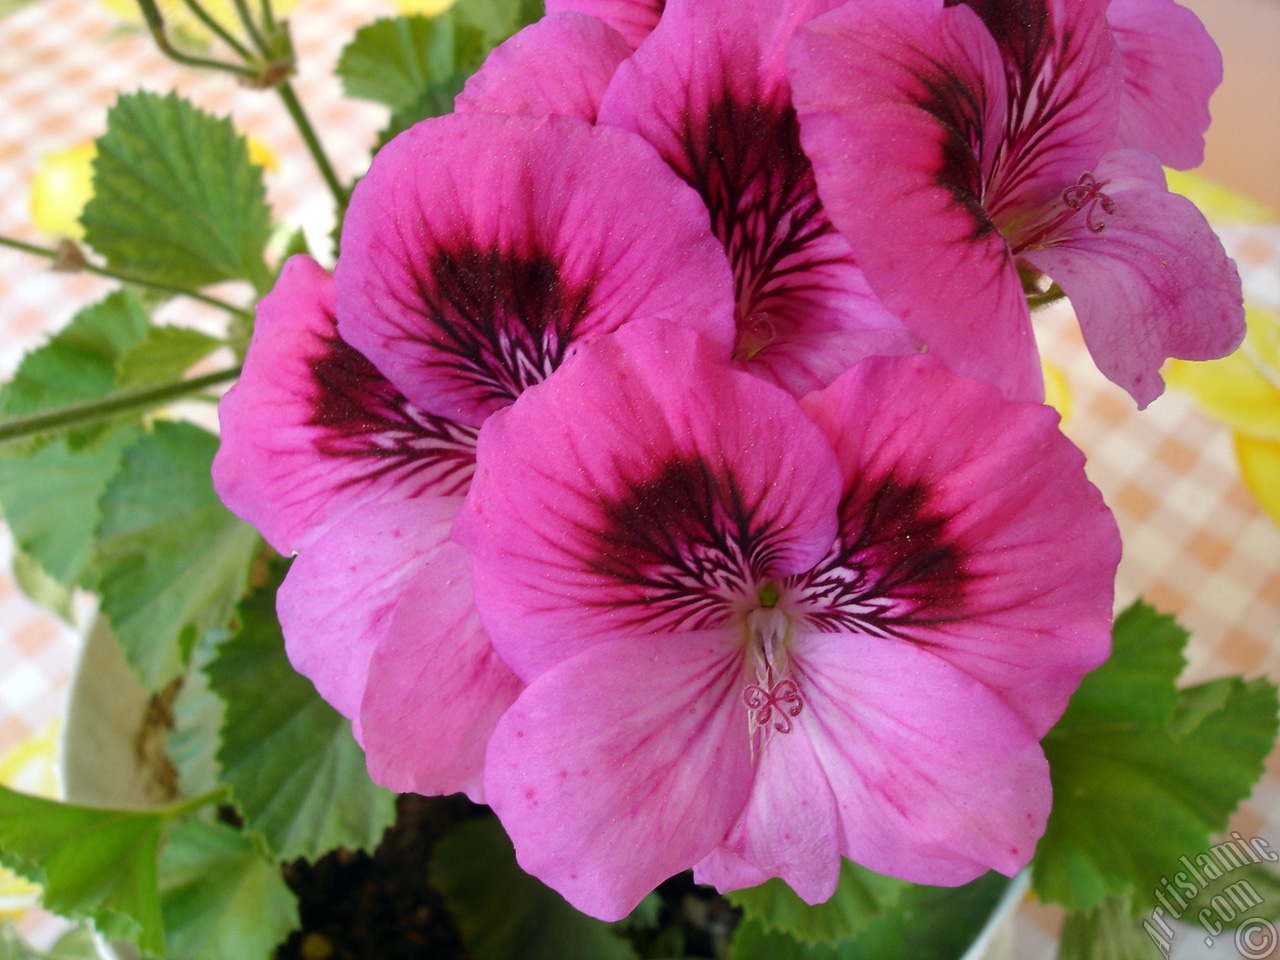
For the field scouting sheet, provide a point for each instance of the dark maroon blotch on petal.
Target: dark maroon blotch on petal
(363, 416)
(504, 319)
(894, 565)
(688, 539)
(744, 157)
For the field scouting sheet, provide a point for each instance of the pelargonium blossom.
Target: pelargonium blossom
(760, 634)
(708, 88)
(966, 148)
(478, 254)
(632, 19)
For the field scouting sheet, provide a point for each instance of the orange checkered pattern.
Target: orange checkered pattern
(1196, 544)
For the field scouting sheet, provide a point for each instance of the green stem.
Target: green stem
(313, 144)
(127, 277)
(246, 18)
(180, 808)
(211, 22)
(268, 16)
(1052, 295)
(94, 411)
(155, 23)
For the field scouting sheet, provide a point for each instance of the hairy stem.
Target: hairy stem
(294, 107)
(58, 255)
(155, 24)
(95, 411)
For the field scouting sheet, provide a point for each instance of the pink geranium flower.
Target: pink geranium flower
(760, 634)
(965, 149)
(478, 254)
(633, 19)
(708, 88)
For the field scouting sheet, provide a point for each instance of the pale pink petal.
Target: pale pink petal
(335, 605)
(1154, 282)
(727, 871)
(935, 778)
(634, 19)
(559, 65)
(790, 827)
(646, 485)
(479, 250)
(623, 766)
(1171, 68)
(902, 106)
(312, 431)
(968, 529)
(709, 90)
(436, 686)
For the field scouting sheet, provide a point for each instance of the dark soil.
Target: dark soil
(379, 906)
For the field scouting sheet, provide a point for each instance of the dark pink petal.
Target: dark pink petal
(335, 605)
(623, 766)
(1152, 282)
(790, 827)
(709, 90)
(968, 529)
(644, 488)
(936, 780)
(1171, 68)
(312, 431)
(902, 109)
(1063, 88)
(634, 19)
(480, 250)
(559, 65)
(436, 686)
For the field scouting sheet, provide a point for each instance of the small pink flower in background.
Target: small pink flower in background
(1171, 67)
(760, 634)
(478, 254)
(958, 147)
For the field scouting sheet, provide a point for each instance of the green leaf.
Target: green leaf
(397, 59)
(1135, 787)
(176, 199)
(198, 715)
(221, 895)
(163, 356)
(50, 499)
(97, 864)
(35, 582)
(499, 19)
(415, 65)
(503, 913)
(78, 364)
(1137, 683)
(1107, 932)
(927, 923)
(297, 775)
(174, 561)
(860, 897)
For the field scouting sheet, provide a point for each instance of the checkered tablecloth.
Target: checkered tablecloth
(1196, 543)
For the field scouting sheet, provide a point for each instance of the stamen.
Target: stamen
(1087, 194)
(783, 696)
(771, 702)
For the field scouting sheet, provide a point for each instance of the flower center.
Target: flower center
(774, 699)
